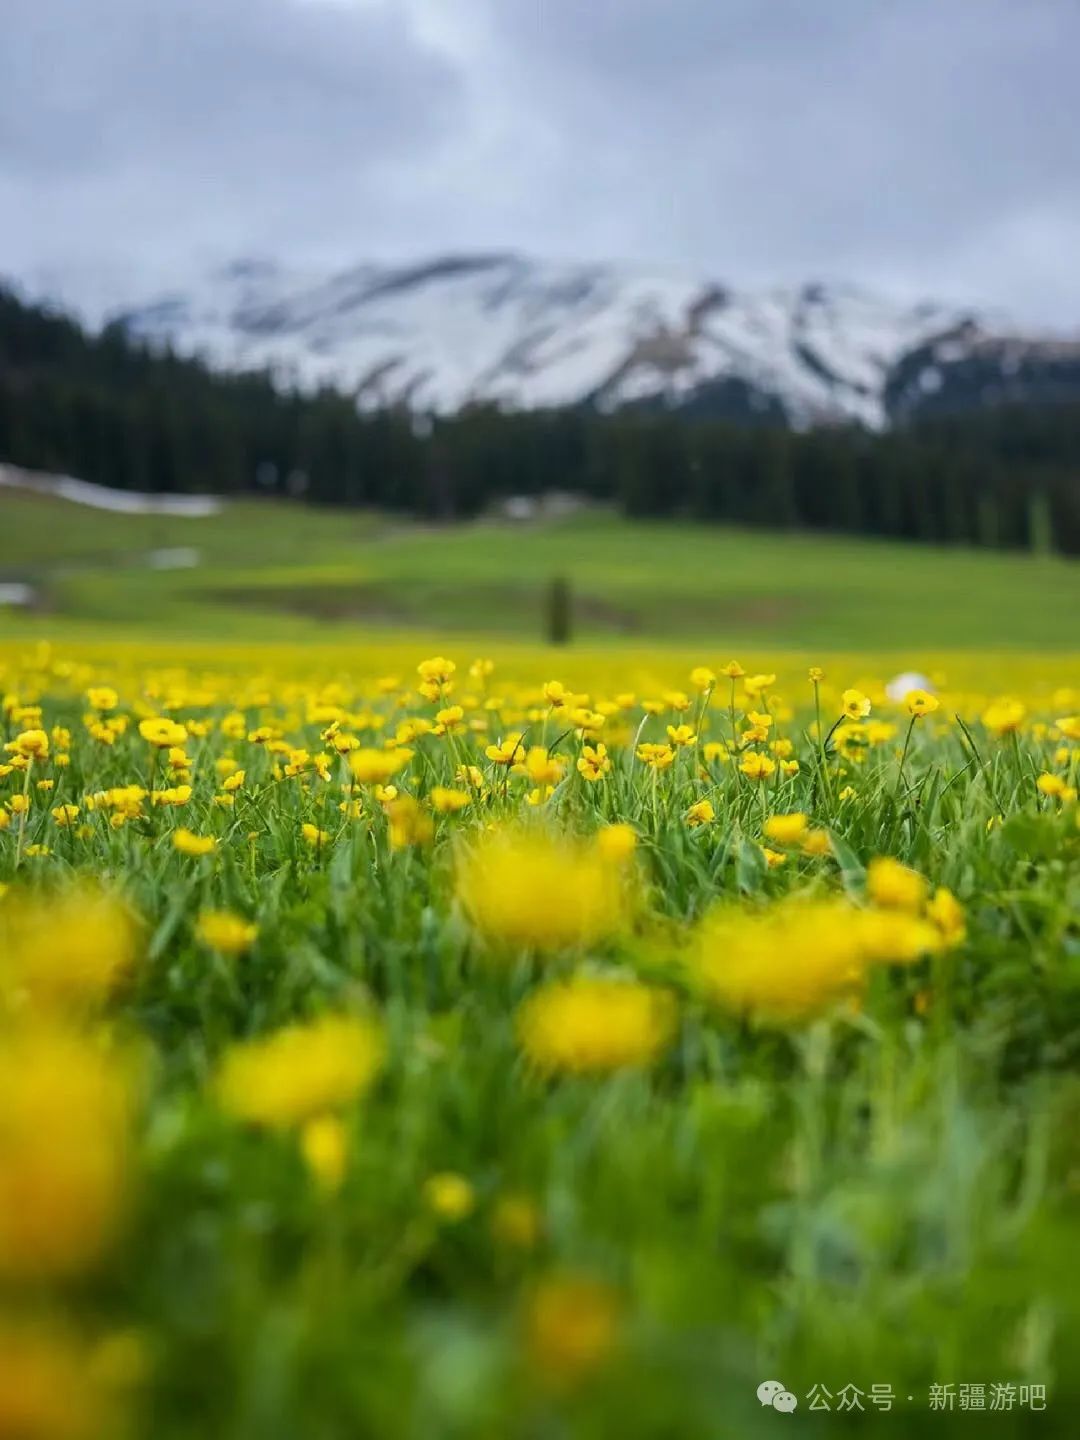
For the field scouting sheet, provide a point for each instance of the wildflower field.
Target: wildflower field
(397, 1045)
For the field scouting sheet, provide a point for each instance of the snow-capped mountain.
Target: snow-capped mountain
(523, 333)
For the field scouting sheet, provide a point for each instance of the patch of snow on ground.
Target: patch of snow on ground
(100, 497)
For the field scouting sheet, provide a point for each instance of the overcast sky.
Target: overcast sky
(922, 147)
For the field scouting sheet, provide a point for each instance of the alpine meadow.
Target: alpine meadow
(515, 1040)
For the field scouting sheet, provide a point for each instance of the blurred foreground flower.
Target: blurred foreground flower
(302, 1071)
(66, 949)
(375, 767)
(225, 932)
(800, 958)
(782, 965)
(571, 1326)
(449, 1196)
(66, 1107)
(324, 1144)
(534, 891)
(894, 886)
(591, 1025)
(57, 1386)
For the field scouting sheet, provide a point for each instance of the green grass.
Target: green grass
(274, 570)
(881, 1194)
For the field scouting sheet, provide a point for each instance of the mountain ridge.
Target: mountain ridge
(461, 328)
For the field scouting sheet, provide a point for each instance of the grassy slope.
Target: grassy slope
(280, 571)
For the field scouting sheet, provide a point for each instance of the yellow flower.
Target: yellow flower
(30, 744)
(531, 890)
(234, 781)
(541, 767)
(64, 1147)
(894, 886)
(1004, 716)
(437, 671)
(681, 735)
(896, 937)
(102, 698)
(188, 843)
(19, 804)
(55, 1385)
(594, 762)
(773, 858)
(315, 837)
(786, 829)
(448, 802)
(756, 685)
(781, 965)
(756, 766)
(226, 932)
(945, 912)
(65, 815)
(921, 702)
(616, 842)
(69, 949)
(516, 1222)
(449, 1196)
(505, 752)
(816, 674)
(162, 733)
(324, 1144)
(300, 1072)
(409, 824)
(375, 767)
(733, 670)
(657, 757)
(591, 1025)
(1069, 725)
(854, 704)
(1048, 784)
(174, 795)
(570, 1329)
(701, 813)
(702, 678)
(816, 844)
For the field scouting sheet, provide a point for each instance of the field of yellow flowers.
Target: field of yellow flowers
(399, 1047)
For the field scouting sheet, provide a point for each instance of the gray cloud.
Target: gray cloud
(919, 146)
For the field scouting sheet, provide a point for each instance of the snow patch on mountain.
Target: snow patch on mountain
(502, 328)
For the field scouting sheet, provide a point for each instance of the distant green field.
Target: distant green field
(274, 570)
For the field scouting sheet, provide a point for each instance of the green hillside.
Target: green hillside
(273, 570)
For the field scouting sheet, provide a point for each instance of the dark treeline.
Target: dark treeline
(109, 410)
